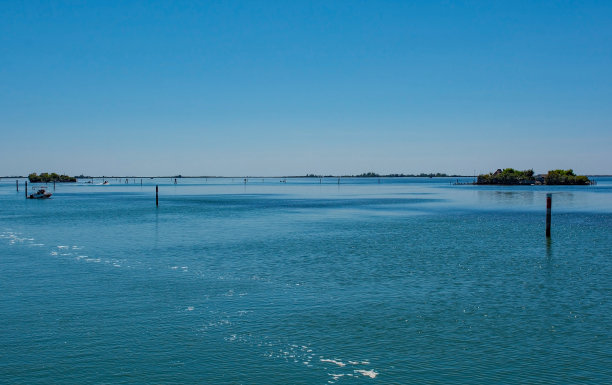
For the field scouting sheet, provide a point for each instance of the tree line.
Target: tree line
(510, 176)
(45, 177)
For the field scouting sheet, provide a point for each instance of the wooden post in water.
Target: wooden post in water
(141, 181)
(548, 212)
(53, 185)
(17, 184)
(26, 188)
(156, 195)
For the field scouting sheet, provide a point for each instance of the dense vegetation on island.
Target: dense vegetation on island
(510, 176)
(53, 177)
(507, 176)
(565, 177)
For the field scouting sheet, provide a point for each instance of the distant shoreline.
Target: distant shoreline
(253, 177)
(283, 176)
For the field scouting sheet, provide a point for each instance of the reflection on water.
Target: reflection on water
(528, 198)
(509, 198)
(534, 198)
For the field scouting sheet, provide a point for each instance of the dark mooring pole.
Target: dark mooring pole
(548, 210)
(156, 195)
(17, 184)
(26, 188)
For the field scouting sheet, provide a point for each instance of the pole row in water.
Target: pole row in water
(548, 202)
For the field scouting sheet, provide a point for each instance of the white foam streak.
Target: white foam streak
(339, 363)
(367, 373)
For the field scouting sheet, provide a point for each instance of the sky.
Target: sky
(272, 88)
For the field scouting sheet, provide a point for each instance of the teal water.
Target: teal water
(404, 281)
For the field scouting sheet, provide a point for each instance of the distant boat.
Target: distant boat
(40, 194)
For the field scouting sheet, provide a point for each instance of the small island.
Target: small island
(510, 176)
(53, 177)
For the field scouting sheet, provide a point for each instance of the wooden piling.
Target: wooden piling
(548, 213)
(156, 195)
(26, 189)
(17, 184)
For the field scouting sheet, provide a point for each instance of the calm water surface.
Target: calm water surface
(396, 281)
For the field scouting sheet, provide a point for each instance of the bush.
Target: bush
(508, 176)
(565, 177)
(46, 178)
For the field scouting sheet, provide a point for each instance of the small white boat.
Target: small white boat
(40, 194)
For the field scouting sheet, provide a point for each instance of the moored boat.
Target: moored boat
(40, 194)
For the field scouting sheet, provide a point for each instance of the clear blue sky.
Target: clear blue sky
(296, 87)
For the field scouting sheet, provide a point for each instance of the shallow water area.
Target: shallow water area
(305, 281)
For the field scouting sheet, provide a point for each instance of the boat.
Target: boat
(40, 194)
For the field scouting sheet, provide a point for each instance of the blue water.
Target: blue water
(390, 281)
